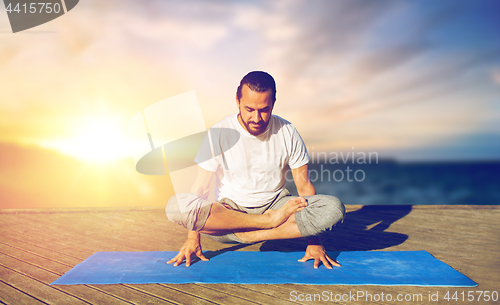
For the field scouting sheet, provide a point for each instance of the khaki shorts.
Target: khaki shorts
(322, 213)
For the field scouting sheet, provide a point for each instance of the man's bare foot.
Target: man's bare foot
(278, 217)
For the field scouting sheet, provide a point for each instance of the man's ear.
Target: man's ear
(237, 102)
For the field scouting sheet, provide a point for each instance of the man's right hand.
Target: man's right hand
(190, 247)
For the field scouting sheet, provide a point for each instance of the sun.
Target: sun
(97, 139)
(100, 141)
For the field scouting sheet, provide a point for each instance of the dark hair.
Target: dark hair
(258, 81)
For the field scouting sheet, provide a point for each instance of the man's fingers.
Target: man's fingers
(305, 258)
(173, 259)
(179, 261)
(333, 262)
(202, 257)
(326, 262)
(316, 263)
(179, 258)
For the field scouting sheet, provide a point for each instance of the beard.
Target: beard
(253, 128)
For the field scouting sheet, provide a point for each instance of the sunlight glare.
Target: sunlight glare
(98, 140)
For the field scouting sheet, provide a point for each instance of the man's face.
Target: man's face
(255, 110)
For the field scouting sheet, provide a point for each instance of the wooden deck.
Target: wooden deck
(37, 247)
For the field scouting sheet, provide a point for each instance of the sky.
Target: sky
(411, 80)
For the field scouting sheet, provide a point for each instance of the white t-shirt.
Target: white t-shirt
(253, 167)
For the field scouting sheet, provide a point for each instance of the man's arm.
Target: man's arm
(315, 249)
(302, 181)
(192, 245)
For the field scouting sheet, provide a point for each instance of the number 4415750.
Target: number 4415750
(472, 296)
(32, 8)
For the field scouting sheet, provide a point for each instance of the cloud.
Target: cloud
(450, 76)
(377, 62)
(334, 61)
(319, 29)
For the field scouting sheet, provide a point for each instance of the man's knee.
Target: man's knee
(334, 210)
(188, 210)
(327, 212)
(174, 213)
(172, 209)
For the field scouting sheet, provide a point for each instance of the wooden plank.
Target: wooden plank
(173, 295)
(35, 288)
(88, 293)
(280, 292)
(246, 294)
(117, 291)
(292, 292)
(133, 296)
(38, 238)
(452, 221)
(477, 217)
(109, 240)
(11, 295)
(38, 261)
(473, 241)
(208, 294)
(345, 292)
(73, 236)
(69, 234)
(430, 229)
(45, 276)
(23, 243)
(109, 294)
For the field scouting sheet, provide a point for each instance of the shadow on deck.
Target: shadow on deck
(362, 230)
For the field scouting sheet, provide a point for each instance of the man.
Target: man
(252, 202)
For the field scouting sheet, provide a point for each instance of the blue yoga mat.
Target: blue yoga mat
(415, 268)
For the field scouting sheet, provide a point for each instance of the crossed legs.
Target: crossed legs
(289, 217)
(222, 219)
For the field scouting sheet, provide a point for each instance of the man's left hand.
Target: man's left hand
(316, 251)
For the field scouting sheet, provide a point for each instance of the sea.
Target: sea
(390, 182)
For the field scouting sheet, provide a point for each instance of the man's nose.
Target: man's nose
(256, 117)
